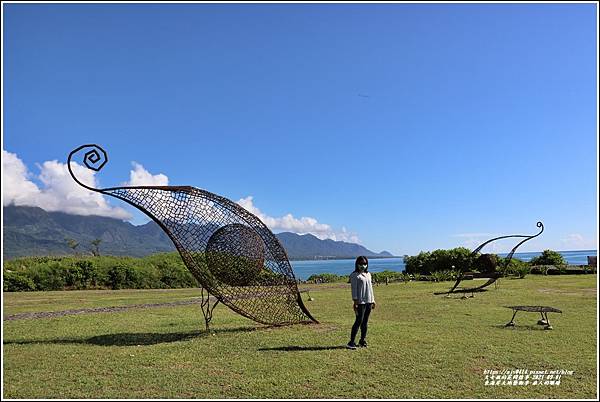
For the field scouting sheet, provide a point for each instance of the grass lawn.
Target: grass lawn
(420, 345)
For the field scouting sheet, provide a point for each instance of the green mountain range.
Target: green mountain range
(29, 231)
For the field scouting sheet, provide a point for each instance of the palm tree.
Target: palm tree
(96, 247)
(73, 244)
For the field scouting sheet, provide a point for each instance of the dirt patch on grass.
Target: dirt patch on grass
(576, 292)
(478, 365)
(53, 314)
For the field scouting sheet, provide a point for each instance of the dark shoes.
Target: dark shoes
(352, 345)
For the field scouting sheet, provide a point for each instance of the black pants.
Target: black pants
(362, 319)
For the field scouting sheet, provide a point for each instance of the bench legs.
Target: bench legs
(543, 321)
(548, 326)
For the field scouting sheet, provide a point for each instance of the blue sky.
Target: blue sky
(406, 126)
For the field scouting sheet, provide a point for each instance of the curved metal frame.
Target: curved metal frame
(493, 276)
(189, 216)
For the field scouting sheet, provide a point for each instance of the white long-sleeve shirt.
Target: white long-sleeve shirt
(362, 287)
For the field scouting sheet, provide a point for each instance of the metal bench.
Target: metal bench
(543, 310)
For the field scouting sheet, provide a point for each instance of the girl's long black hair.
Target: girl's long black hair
(361, 260)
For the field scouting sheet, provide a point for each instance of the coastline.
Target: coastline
(378, 257)
(305, 268)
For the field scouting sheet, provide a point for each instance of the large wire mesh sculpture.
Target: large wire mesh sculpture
(486, 265)
(230, 252)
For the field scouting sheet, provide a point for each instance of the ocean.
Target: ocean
(304, 269)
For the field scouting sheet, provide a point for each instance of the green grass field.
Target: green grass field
(420, 345)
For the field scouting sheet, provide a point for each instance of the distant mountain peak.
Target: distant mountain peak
(34, 231)
(308, 246)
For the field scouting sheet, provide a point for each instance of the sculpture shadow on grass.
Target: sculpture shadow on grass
(134, 338)
(143, 338)
(301, 348)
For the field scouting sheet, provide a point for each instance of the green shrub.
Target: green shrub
(426, 263)
(391, 276)
(538, 269)
(415, 277)
(486, 263)
(548, 257)
(405, 277)
(174, 276)
(267, 277)
(439, 276)
(73, 277)
(82, 272)
(150, 278)
(518, 268)
(48, 276)
(327, 278)
(123, 277)
(89, 274)
(17, 282)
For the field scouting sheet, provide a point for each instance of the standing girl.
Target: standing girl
(364, 301)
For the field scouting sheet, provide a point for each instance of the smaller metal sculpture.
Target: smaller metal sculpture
(487, 265)
(543, 310)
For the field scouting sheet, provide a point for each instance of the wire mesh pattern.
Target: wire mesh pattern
(235, 255)
(488, 267)
(231, 253)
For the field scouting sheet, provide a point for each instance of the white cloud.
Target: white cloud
(303, 225)
(141, 177)
(573, 238)
(576, 241)
(17, 188)
(473, 240)
(58, 192)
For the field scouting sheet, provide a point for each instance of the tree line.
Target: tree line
(167, 270)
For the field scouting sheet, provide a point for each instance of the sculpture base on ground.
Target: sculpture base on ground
(207, 308)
